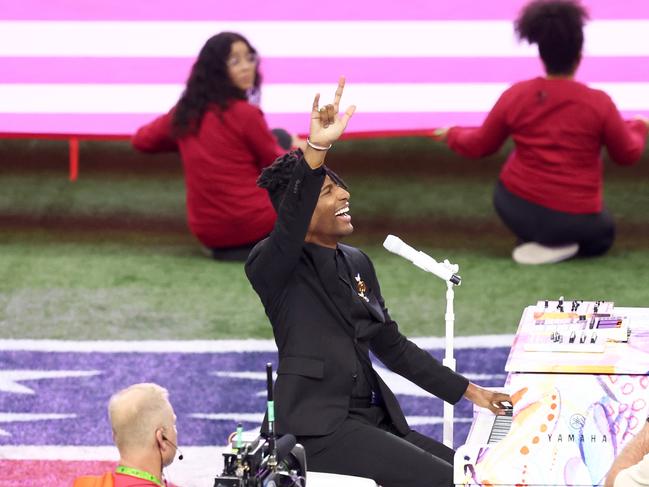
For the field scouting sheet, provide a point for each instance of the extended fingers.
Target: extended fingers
(328, 114)
(314, 109)
(339, 93)
(348, 114)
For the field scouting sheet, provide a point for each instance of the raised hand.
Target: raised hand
(326, 126)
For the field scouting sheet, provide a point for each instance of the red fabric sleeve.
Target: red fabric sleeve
(259, 138)
(485, 140)
(155, 136)
(625, 141)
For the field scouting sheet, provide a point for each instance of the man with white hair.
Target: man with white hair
(144, 431)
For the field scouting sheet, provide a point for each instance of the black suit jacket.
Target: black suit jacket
(318, 344)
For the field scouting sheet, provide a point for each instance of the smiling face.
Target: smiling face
(242, 66)
(330, 221)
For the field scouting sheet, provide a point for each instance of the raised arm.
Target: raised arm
(272, 263)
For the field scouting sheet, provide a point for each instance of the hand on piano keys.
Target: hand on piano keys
(498, 403)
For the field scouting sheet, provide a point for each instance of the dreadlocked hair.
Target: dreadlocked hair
(276, 177)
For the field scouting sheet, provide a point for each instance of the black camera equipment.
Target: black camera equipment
(266, 461)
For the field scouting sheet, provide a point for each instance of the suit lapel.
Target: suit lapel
(359, 273)
(326, 272)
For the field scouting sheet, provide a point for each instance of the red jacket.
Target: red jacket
(222, 161)
(559, 127)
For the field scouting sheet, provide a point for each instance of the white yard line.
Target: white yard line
(217, 346)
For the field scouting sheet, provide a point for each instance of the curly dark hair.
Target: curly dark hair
(209, 83)
(276, 177)
(557, 27)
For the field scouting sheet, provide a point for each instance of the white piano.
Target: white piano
(578, 375)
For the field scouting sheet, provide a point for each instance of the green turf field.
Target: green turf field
(109, 256)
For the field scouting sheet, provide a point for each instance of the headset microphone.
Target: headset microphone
(180, 457)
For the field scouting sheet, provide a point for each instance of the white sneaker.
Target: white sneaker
(534, 253)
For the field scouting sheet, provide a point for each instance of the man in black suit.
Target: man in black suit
(325, 306)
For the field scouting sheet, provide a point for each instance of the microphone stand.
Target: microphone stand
(420, 259)
(449, 359)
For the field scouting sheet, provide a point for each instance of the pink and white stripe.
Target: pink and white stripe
(104, 68)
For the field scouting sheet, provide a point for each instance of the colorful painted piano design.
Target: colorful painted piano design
(573, 410)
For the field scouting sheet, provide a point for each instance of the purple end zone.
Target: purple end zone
(196, 384)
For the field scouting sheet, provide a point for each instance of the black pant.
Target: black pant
(366, 445)
(594, 232)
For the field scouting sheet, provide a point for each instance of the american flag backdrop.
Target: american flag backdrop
(105, 67)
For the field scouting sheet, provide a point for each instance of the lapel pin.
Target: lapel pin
(361, 287)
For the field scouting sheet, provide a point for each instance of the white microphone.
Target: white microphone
(444, 271)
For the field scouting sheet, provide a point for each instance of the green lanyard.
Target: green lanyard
(140, 474)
